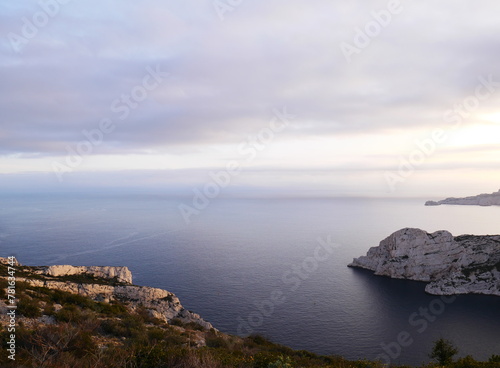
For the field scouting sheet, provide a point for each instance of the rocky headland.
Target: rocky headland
(107, 284)
(466, 264)
(492, 199)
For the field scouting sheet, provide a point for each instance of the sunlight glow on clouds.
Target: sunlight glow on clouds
(478, 134)
(354, 120)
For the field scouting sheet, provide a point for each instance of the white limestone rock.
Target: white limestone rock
(492, 199)
(487, 283)
(162, 304)
(122, 274)
(452, 265)
(7, 261)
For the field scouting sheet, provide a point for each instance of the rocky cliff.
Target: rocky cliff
(107, 284)
(121, 274)
(492, 199)
(452, 265)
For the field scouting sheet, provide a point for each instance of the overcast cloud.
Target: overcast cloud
(225, 77)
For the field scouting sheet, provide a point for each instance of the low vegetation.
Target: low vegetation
(57, 329)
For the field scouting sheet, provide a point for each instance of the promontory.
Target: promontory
(465, 264)
(492, 199)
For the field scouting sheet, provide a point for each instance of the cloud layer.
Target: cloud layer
(228, 70)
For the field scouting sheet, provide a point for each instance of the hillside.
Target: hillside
(79, 317)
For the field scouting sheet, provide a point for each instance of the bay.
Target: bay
(248, 265)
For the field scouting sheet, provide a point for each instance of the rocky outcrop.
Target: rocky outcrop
(492, 199)
(7, 261)
(121, 274)
(452, 265)
(160, 303)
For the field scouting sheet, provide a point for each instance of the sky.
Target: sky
(286, 97)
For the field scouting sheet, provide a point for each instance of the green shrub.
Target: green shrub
(281, 362)
(3, 286)
(134, 323)
(264, 358)
(194, 326)
(114, 327)
(82, 344)
(161, 357)
(49, 309)
(214, 341)
(131, 326)
(259, 340)
(63, 297)
(469, 362)
(177, 322)
(80, 301)
(306, 354)
(146, 316)
(443, 351)
(71, 313)
(110, 309)
(21, 286)
(494, 359)
(60, 345)
(368, 364)
(175, 339)
(156, 334)
(29, 308)
(87, 278)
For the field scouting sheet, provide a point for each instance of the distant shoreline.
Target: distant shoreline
(484, 200)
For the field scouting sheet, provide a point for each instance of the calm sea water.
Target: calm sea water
(248, 265)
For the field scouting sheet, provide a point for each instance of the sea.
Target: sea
(272, 266)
